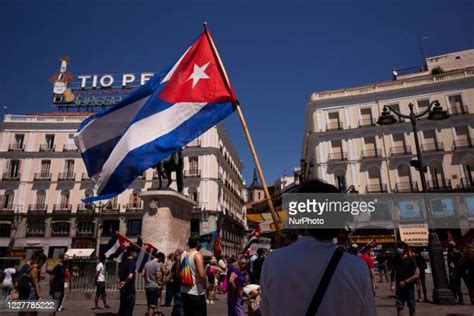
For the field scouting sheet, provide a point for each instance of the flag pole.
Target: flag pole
(249, 140)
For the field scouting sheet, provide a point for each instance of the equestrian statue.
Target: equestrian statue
(165, 168)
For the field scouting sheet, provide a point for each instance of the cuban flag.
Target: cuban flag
(117, 246)
(174, 107)
(253, 238)
(146, 253)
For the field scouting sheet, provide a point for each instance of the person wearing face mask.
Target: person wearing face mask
(405, 273)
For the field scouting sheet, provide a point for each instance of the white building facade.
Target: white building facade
(344, 146)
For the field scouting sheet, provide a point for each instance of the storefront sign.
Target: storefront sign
(93, 90)
(414, 234)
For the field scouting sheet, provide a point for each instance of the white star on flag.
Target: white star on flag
(126, 244)
(198, 73)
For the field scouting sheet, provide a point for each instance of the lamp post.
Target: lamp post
(441, 292)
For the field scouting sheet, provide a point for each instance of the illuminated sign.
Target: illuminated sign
(89, 91)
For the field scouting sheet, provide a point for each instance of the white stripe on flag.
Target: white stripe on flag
(108, 126)
(113, 249)
(145, 131)
(171, 72)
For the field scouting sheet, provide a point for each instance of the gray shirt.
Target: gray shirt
(151, 269)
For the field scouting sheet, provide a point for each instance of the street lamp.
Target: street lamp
(441, 292)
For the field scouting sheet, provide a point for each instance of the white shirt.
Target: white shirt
(7, 279)
(197, 288)
(222, 264)
(100, 268)
(290, 276)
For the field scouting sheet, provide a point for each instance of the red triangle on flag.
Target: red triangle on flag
(198, 77)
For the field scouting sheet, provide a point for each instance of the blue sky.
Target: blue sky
(276, 52)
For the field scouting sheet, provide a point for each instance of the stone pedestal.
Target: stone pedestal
(167, 219)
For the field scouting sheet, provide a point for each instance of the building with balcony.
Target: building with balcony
(44, 180)
(344, 146)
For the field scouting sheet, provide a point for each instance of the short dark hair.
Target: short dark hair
(193, 242)
(160, 256)
(128, 252)
(102, 258)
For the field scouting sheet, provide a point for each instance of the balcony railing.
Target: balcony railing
(62, 208)
(432, 147)
(466, 183)
(134, 206)
(86, 208)
(37, 208)
(60, 233)
(461, 144)
(400, 151)
(47, 147)
(194, 143)
(70, 148)
(440, 185)
(460, 109)
(34, 233)
(192, 173)
(16, 147)
(337, 156)
(334, 126)
(8, 207)
(371, 153)
(110, 208)
(366, 122)
(42, 176)
(406, 187)
(9, 176)
(376, 188)
(66, 176)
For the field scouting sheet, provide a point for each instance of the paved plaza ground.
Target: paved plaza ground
(79, 305)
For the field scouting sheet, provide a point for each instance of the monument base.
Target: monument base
(167, 219)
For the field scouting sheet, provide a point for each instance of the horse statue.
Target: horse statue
(165, 167)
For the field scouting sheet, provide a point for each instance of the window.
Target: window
(49, 141)
(110, 227)
(423, 105)
(134, 227)
(69, 169)
(35, 228)
(396, 107)
(135, 200)
(19, 141)
(333, 121)
(86, 227)
(70, 145)
(193, 165)
(14, 169)
(60, 229)
(7, 201)
(45, 167)
(40, 199)
(64, 199)
(456, 105)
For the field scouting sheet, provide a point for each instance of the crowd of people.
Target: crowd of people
(320, 275)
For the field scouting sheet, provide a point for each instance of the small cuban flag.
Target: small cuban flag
(174, 107)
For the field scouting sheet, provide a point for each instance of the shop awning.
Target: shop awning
(80, 252)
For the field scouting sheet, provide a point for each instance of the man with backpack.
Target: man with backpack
(192, 277)
(28, 277)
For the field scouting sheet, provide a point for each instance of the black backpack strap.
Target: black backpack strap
(324, 283)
